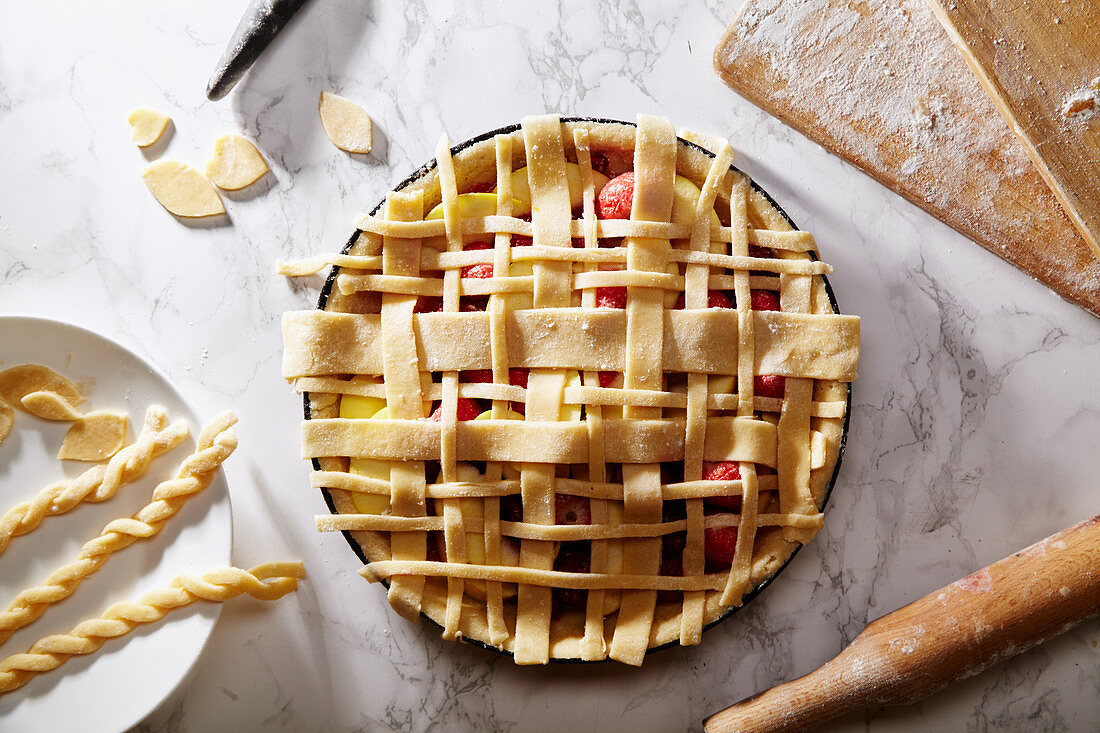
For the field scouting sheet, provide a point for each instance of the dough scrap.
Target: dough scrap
(181, 189)
(50, 405)
(7, 417)
(347, 124)
(19, 381)
(148, 125)
(97, 437)
(236, 163)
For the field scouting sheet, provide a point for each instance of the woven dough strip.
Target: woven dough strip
(98, 483)
(267, 582)
(216, 443)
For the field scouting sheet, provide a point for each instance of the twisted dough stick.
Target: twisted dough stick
(98, 483)
(216, 443)
(51, 652)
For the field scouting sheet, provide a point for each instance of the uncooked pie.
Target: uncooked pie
(575, 390)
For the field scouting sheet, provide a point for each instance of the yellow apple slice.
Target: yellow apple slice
(474, 205)
(685, 196)
(347, 124)
(236, 163)
(356, 407)
(521, 188)
(146, 126)
(181, 189)
(570, 413)
(721, 383)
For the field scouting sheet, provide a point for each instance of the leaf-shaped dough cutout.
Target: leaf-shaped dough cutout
(236, 163)
(147, 125)
(97, 437)
(7, 417)
(181, 189)
(50, 406)
(347, 124)
(19, 381)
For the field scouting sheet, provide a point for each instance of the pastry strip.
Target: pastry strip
(401, 372)
(552, 533)
(697, 341)
(654, 171)
(550, 213)
(696, 291)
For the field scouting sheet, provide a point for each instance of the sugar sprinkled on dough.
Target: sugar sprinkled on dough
(49, 405)
(236, 163)
(181, 189)
(147, 126)
(347, 124)
(97, 437)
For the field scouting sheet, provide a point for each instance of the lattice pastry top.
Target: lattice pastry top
(574, 390)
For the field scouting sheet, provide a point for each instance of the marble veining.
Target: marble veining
(974, 424)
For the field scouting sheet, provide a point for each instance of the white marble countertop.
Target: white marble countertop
(975, 418)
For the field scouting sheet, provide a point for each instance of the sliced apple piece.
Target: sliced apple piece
(521, 188)
(721, 383)
(356, 407)
(570, 413)
(685, 197)
(473, 205)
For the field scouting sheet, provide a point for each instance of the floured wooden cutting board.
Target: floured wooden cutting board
(1040, 63)
(879, 83)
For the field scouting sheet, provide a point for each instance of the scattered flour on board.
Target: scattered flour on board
(909, 96)
(1083, 104)
(881, 81)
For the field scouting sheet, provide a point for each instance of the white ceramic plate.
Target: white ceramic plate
(124, 681)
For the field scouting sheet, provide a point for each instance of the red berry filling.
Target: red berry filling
(616, 197)
(764, 300)
(769, 385)
(467, 409)
(723, 471)
(611, 297)
(570, 509)
(719, 544)
(715, 299)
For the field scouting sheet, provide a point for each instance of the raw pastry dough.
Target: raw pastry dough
(147, 126)
(181, 189)
(7, 417)
(216, 443)
(267, 582)
(98, 483)
(19, 381)
(49, 406)
(347, 124)
(97, 437)
(236, 163)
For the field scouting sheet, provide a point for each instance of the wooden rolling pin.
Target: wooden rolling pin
(945, 637)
